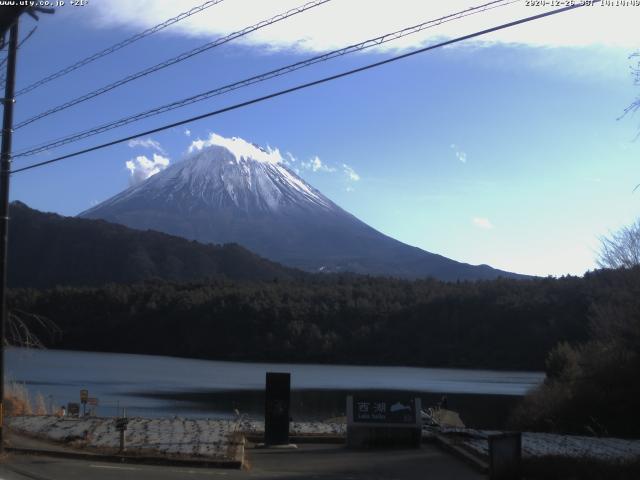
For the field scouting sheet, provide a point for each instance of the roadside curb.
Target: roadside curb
(474, 461)
(235, 463)
(333, 439)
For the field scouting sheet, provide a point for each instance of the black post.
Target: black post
(276, 414)
(5, 169)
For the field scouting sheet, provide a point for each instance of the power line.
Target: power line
(174, 60)
(302, 86)
(263, 77)
(118, 46)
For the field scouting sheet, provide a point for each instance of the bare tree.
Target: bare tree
(26, 329)
(621, 249)
(635, 71)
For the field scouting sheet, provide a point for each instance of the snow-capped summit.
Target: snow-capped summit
(240, 148)
(218, 177)
(228, 190)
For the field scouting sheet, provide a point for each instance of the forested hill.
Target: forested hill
(46, 250)
(502, 323)
(251, 309)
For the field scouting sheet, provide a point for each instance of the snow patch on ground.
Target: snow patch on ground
(218, 438)
(537, 445)
(168, 436)
(177, 436)
(256, 427)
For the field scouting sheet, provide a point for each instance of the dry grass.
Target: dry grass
(16, 400)
(41, 406)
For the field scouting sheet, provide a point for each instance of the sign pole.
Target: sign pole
(5, 171)
(121, 440)
(121, 426)
(84, 397)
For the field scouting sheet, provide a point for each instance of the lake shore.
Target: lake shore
(312, 405)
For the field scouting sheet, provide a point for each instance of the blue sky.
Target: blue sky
(506, 151)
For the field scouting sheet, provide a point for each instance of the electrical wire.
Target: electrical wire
(118, 46)
(172, 61)
(263, 77)
(303, 86)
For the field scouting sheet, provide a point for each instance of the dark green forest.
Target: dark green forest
(506, 324)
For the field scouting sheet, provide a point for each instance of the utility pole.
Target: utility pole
(5, 171)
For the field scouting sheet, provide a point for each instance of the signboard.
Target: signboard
(93, 401)
(384, 410)
(73, 409)
(390, 420)
(121, 424)
(276, 412)
(84, 395)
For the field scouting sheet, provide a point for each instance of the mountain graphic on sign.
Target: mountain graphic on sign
(399, 407)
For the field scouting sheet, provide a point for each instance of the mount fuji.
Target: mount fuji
(230, 191)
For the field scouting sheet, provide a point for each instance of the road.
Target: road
(324, 462)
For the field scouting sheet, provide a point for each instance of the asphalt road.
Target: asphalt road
(324, 462)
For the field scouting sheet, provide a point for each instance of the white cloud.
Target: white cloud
(482, 222)
(596, 25)
(143, 167)
(460, 155)
(147, 143)
(187, 132)
(290, 158)
(315, 164)
(350, 173)
(239, 147)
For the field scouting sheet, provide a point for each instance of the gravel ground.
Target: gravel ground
(536, 445)
(296, 428)
(170, 436)
(175, 437)
(216, 438)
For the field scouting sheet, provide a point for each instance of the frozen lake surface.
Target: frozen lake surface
(155, 385)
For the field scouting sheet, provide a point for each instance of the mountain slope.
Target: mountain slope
(46, 249)
(239, 193)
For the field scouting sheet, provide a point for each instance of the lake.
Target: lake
(159, 386)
